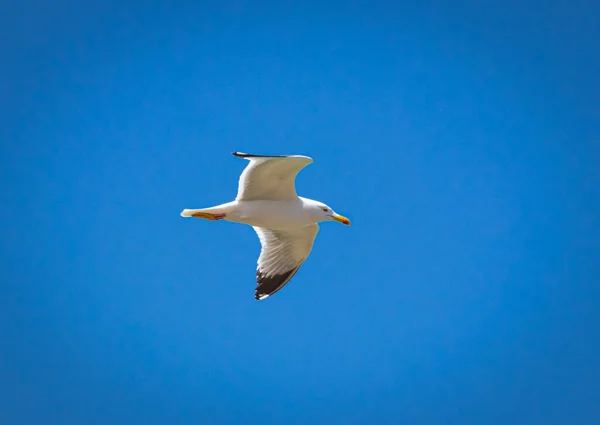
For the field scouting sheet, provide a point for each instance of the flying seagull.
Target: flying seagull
(285, 223)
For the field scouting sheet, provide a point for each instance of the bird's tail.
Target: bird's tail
(190, 212)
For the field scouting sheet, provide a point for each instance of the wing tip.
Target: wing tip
(268, 286)
(253, 155)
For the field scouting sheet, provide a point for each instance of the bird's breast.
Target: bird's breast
(271, 214)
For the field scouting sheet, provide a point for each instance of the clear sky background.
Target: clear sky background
(461, 138)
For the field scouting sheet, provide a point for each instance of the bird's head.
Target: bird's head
(326, 213)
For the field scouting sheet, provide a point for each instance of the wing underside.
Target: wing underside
(282, 254)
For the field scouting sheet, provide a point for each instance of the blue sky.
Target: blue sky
(461, 139)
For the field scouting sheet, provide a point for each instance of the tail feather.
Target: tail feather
(190, 212)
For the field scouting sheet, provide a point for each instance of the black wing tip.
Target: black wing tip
(252, 155)
(267, 286)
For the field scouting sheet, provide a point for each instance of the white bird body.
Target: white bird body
(269, 214)
(285, 223)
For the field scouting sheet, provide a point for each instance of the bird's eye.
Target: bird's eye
(325, 209)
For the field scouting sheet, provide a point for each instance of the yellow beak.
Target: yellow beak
(341, 219)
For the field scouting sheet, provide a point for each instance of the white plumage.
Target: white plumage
(271, 178)
(285, 223)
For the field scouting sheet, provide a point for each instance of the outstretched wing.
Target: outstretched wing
(270, 178)
(282, 254)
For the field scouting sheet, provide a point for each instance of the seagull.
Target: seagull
(286, 224)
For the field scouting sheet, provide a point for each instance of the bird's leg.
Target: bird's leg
(209, 216)
(218, 212)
